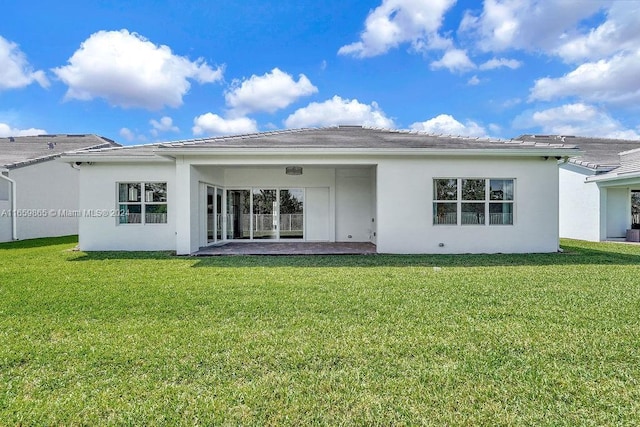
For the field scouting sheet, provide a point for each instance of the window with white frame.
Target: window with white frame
(142, 202)
(473, 201)
(445, 201)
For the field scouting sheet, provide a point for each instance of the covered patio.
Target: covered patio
(288, 248)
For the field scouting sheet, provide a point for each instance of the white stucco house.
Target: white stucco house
(599, 188)
(406, 192)
(37, 191)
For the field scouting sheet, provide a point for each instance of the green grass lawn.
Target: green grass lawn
(149, 338)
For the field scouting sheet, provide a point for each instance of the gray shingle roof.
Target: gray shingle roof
(629, 162)
(20, 151)
(600, 154)
(353, 137)
(329, 138)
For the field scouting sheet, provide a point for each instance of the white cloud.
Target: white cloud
(500, 62)
(269, 92)
(164, 125)
(15, 71)
(445, 124)
(6, 130)
(131, 136)
(527, 24)
(619, 32)
(338, 111)
(400, 21)
(127, 134)
(212, 124)
(130, 71)
(511, 102)
(615, 80)
(473, 81)
(576, 119)
(454, 60)
(495, 128)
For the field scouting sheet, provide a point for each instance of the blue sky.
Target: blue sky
(166, 70)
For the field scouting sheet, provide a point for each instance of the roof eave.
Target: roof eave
(594, 167)
(497, 152)
(613, 177)
(23, 163)
(169, 154)
(97, 158)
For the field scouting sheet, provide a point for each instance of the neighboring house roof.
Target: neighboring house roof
(19, 151)
(629, 162)
(598, 154)
(628, 171)
(339, 139)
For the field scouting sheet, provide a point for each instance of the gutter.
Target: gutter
(613, 177)
(95, 158)
(14, 219)
(504, 152)
(168, 154)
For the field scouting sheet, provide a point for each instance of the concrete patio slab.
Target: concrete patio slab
(288, 248)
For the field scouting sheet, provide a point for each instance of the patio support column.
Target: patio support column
(184, 201)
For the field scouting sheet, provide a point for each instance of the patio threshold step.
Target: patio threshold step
(288, 248)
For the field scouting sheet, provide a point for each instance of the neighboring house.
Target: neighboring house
(39, 195)
(407, 192)
(599, 189)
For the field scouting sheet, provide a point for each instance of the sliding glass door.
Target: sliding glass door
(262, 214)
(238, 214)
(214, 214)
(292, 213)
(211, 220)
(219, 215)
(635, 209)
(265, 214)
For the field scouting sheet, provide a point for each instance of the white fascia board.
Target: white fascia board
(505, 152)
(612, 178)
(73, 158)
(169, 155)
(582, 165)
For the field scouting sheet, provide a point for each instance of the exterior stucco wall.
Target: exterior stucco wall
(275, 177)
(354, 204)
(397, 194)
(618, 212)
(46, 189)
(405, 213)
(5, 209)
(5, 221)
(5, 190)
(579, 204)
(98, 193)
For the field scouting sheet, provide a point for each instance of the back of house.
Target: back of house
(405, 192)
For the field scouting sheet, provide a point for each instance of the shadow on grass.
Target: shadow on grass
(575, 253)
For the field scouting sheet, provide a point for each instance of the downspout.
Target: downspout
(14, 224)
